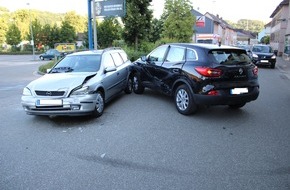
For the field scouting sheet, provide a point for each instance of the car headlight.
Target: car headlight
(255, 56)
(26, 92)
(82, 91)
(273, 57)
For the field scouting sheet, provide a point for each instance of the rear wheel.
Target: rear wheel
(236, 106)
(184, 100)
(138, 88)
(100, 104)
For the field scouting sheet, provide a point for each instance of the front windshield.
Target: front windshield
(262, 49)
(78, 63)
(229, 56)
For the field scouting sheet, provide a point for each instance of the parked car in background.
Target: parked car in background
(198, 74)
(51, 54)
(79, 84)
(263, 55)
(245, 47)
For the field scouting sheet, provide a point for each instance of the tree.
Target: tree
(13, 35)
(179, 21)
(108, 31)
(76, 21)
(254, 26)
(54, 36)
(4, 18)
(137, 21)
(67, 33)
(156, 30)
(37, 33)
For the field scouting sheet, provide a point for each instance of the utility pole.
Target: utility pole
(31, 33)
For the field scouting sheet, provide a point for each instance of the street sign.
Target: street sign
(110, 8)
(65, 47)
(200, 21)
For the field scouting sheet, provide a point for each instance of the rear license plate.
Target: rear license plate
(239, 90)
(52, 102)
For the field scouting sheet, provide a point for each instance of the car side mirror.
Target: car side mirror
(110, 69)
(143, 58)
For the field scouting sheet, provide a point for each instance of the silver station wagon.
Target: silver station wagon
(79, 84)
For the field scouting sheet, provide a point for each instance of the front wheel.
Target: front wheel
(138, 88)
(184, 100)
(100, 105)
(129, 86)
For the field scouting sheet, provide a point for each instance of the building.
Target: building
(280, 30)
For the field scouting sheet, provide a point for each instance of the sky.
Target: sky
(232, 10)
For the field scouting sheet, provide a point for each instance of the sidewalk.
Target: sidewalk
(283, 66)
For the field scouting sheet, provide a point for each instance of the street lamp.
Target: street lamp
(31, 34)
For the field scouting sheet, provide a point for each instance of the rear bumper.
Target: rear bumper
(225, 98)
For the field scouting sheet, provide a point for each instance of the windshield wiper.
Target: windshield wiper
(61, 70)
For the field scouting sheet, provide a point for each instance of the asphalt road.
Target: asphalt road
(142, 142)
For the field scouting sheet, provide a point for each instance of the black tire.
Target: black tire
(100, 105)
(129, 86)
(184, 100)
(273, 66)
(237, 106)
(138, 88)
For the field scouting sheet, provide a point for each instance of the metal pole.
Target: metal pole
(90, 25)
(95, 25)
(31, 33)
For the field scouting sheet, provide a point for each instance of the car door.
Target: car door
(170, 69)
(154, 61)
(122, 71)
(111, 76)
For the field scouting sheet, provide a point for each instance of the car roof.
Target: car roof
(99, 52)
(205, 46)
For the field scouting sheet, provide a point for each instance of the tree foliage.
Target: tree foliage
(179, 21)
(108, 31)
(13, 35)
(67, 33)
(137, 21)
(254, 26)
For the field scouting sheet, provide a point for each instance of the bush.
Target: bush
(43, 68)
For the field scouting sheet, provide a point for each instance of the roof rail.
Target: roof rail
(112, 48)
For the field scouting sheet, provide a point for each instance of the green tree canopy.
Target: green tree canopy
(13, 35)
(179, 21)
(137, 21)
(108, 31)
(67, 33)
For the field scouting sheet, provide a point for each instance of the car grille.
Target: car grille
(49, 93)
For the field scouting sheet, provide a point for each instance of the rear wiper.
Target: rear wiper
(61, 70)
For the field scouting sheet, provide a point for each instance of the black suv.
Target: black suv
(198, 74)
(263, 55)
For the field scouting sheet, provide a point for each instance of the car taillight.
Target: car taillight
(209, 72)
(255, 70)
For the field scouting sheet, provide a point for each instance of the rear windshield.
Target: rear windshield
(229, 56)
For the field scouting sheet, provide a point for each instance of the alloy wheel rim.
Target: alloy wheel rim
(182, 99)
(99, 103)
(135, 83)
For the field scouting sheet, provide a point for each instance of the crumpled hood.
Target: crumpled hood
(58, 81)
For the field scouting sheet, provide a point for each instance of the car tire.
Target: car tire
(273, 66)
(138, 88)
(236, 106)
(129, 86)
(184, 101)
(100, 104)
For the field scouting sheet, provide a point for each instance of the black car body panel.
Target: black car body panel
(172, 65)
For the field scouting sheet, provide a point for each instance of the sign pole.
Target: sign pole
(90, 24)
(95, 25)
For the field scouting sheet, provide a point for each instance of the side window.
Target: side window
(108, 61)
(158, 54)
(175, 54)
(191, 55)
(124, 56)
(117, 59)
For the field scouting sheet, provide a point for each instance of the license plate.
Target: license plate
(52, 102)
(264, 61)
(239, 90)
